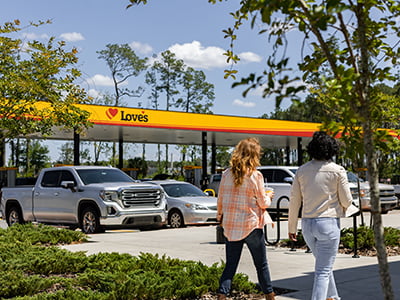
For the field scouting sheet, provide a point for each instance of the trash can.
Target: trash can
(220, 235)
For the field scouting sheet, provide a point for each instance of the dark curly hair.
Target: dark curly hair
(322, 146)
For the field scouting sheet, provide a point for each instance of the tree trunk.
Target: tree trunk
(376, 213)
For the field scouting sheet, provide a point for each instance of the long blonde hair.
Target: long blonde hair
(245, 159)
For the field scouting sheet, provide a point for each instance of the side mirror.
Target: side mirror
(209, 192)
(67, 184)
(288, 180)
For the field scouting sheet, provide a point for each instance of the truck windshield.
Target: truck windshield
(353, 177)
(90, 176)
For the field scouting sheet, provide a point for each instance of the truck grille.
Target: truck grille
(142, 198)
(386, 194)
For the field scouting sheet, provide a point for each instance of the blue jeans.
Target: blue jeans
(256, 243)
(322, 236)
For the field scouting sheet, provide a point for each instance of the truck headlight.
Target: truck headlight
(364, 193)
(109, 195)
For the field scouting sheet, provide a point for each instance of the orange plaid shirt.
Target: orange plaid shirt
(242, 208)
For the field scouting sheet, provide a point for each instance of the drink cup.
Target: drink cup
(269, 189)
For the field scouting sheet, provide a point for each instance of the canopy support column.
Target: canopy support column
(204, 160)
(287, 154)
(299, 151)
(213, 158)
(120, 150)
(77, 141)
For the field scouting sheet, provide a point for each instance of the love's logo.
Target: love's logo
(111, 112)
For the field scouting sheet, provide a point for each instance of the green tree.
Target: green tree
(140, 164)
(101, 147)
(169, 70)
(34, 157)
(309, 110)
(152, 81)
(223, 156)
(31, 72)
(347, 43)
(67, 154)
(198, 93)
(350, 52)
(123, 64)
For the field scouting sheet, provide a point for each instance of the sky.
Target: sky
(192, 29)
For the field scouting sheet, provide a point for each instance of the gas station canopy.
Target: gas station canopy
(139, 125)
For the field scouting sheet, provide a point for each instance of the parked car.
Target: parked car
(280, 178)
(397, 193)
(387, 196)
(214, 182)
(187, 204)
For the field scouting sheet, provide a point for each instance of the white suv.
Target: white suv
(280, 178)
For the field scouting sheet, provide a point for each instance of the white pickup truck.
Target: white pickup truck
(280, 179)
(89, 197)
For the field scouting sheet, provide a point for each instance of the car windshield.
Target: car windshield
(217, 177)
(182, 190)
(294, 170)
(90, 176)
(351, 177)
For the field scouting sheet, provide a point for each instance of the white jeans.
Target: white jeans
(322, 236)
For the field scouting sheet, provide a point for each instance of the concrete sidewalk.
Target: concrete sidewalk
(356, 278)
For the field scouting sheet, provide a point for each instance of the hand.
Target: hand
(219, 218)
(293, 237)
(270, 194)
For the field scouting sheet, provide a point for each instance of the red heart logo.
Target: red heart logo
(111, 112)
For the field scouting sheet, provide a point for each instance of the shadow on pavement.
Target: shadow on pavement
(358, 283)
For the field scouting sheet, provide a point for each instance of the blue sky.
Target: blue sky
(192, 29)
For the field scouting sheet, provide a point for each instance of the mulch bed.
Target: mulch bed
(390, 251)
(240, 295)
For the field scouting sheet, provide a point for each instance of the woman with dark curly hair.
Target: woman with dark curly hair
(242, 203)
(321, 188)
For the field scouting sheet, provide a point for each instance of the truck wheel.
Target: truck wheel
(175, 219)
(14, 216)
(90, 221)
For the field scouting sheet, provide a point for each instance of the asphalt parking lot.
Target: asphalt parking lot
(357, 278)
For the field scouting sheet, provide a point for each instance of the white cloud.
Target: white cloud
(141, 48)
(197, 56)
(241, 103)
(72, 36)
(249, 57)
(94, 93)
(34, 36)
(100, 80)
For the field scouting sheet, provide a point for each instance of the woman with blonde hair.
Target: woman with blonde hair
(242, 203)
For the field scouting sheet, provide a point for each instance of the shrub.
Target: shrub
(365, 237)
(33, 267)
(40, 235)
